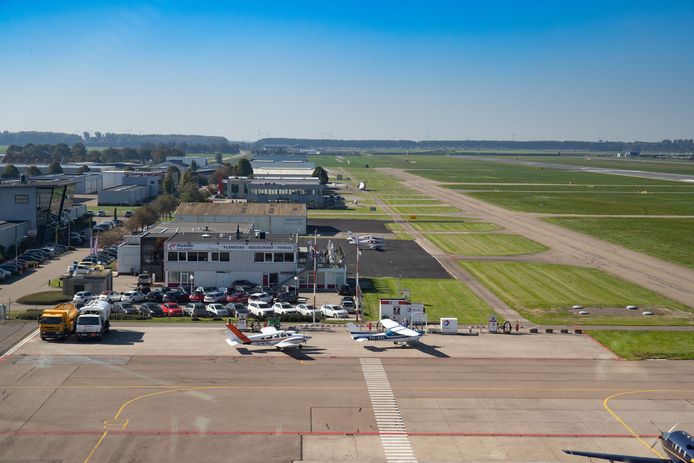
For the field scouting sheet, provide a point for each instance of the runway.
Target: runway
(61, 402)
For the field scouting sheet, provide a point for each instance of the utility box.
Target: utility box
(400, 310)
(493, 324)
(449, 326)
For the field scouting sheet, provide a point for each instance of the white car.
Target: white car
(259, 308)
(110, 296)
(132, 296)
(333, 311)
(82, 297)
(307, 309)
(214, 296)
(264, 297)
(281, 308)
(217, 310)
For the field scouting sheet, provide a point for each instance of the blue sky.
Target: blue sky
(618, 70)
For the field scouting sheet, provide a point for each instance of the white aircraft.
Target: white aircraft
(394, 332)
(269, 336)
(372, 242)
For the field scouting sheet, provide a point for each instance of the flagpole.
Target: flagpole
(356, 290)
(315, 270)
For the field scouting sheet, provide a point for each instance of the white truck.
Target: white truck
(93, 320)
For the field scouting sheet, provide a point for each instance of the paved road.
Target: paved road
(668, 279)
(154, 400)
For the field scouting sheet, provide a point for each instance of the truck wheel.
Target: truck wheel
(108, 327)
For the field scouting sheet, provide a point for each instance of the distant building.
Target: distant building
(188, 160)
(270, 218)
(303, 190)
(123, 195)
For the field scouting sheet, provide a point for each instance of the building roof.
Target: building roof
(248, 209)
(286, 181)
(165, 229)
(263, 171)
(123, 187)
(37, 182)
(211, 237)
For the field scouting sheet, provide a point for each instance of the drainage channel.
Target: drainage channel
(394, 438)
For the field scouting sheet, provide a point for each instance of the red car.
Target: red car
(197, 296)
(238, 297)
(171, 309)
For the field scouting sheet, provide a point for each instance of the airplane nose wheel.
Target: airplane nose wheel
(300, 347)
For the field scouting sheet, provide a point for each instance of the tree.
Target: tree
(112, 236)
(79, 151)
(85, 135)
(191, 193)
(218, 158)
(54, 167)
(321, 174)
(33, 171)
(10, 171)
(245, 168)
(167, 183)
(165, 205)
(193, 166)
(144, 216)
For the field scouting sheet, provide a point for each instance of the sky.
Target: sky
(428, 70)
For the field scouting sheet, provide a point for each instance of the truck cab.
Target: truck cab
(59, 322)
(93, 322)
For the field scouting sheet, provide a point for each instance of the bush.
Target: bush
(124, 316)
(30, 314)
(44, 298)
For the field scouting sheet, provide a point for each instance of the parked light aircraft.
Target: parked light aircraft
(678, 446)
(269, 336)
(394, 332)
(372, 242)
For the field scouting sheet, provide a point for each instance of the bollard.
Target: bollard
(369, 326)
(533, 330)
(549, 330)
(564, 331)
(578, 331)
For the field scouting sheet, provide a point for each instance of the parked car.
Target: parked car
(151, 309)
(307, 309)
(197, 296)
(155, 296)
(214, 296)
(125, 307)
(237, 297)
(171, 309)
(132, 296)
(333, 311)
(176, 295)
(242, 283)
(287, 296)
(264, 289)
(4, 274)
(83, 297)
(206, 289)
(259, 309)
(347, 303)
(236, 308)
(110, 296)
(264, 297)
(195, 309)
(101, 213)
(217, 310)
(282, 308)
(345, 290)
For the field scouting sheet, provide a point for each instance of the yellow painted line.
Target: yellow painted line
(98, 443)
(624, 424)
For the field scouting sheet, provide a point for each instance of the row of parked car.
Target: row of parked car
(94, 261)
(23, 261)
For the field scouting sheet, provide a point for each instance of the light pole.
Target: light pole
(356, 290)
(191, 277)
(315, 271)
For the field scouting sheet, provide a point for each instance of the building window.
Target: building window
(21, 199)
(268, 257)
(173, 256)
(174, 277)
(289, 257)
(192, 257)
(224, 257)
(214, 257)
(279, 257)
(259, 257)
(181, 256)
(203, 257)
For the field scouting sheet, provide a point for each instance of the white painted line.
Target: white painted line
(12, 349)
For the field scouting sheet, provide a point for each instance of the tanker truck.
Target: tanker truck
(93, 320)
(59, 322)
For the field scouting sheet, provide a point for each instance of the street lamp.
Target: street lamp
(16, 243)
(191, 278)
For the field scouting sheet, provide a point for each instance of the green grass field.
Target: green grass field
(544, 293)
(408, 201)
(485, 244)
(417, 210)
(450, 227)
(442, 298)
(594, 203)
(109, 210)
(675, 167)
(562, 188)
(669, 239)
(639, 345)
(335, 214)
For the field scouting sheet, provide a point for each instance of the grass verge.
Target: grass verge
(545, 293)
(498, 244)
(640, 345)
(44, 298)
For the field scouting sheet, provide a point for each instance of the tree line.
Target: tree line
(45, 154)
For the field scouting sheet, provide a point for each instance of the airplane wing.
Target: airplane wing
(292, 342)
(268, 330)
(402, 331)
(616, 457)
(389, 324)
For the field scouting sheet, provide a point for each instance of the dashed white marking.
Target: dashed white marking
(394, 438)
(11, 350)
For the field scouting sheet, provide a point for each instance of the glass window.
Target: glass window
(174, 277)
(21, 199)
(192, 257)
(224, 256)
(268, 257)
(182, 256)
(214, 257)
(279, 257)
(173, 256)
(289, 257)
(259, 257)
(203, 256)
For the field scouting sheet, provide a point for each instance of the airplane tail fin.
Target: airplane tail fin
(236, 336)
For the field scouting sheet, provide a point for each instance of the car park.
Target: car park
(347, 303)
(284, 308)
(195, 309)
(151, 309)
(345, 290)
(307, 309)
(171, 309)
(259, 309)
(155, 295)
(206, 289)
(236, 309)
(264, 289)
(291, 297)
(110, 296)
(243, 283)
(214, 296)
(217, 310)
(128, 214)
(197, 296)
(176, 295)
(132, 296)
(127, 308)
(4, 274)
(264, 297)
(333, 311)
(83, 297)
(101, 213)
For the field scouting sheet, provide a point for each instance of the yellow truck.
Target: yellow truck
(58, 322)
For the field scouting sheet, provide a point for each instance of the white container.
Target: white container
(449, 326)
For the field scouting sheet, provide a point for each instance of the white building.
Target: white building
(268, 217)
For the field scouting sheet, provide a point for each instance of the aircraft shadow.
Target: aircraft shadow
(297, 354)
(113, 338)
(424, 348)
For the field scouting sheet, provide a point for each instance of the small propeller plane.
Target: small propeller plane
(678, 446)
(269, 336)
(394, 332)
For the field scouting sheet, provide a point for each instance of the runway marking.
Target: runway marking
(17, 346)
(624, 424)
(96, 446)
(394, 439)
